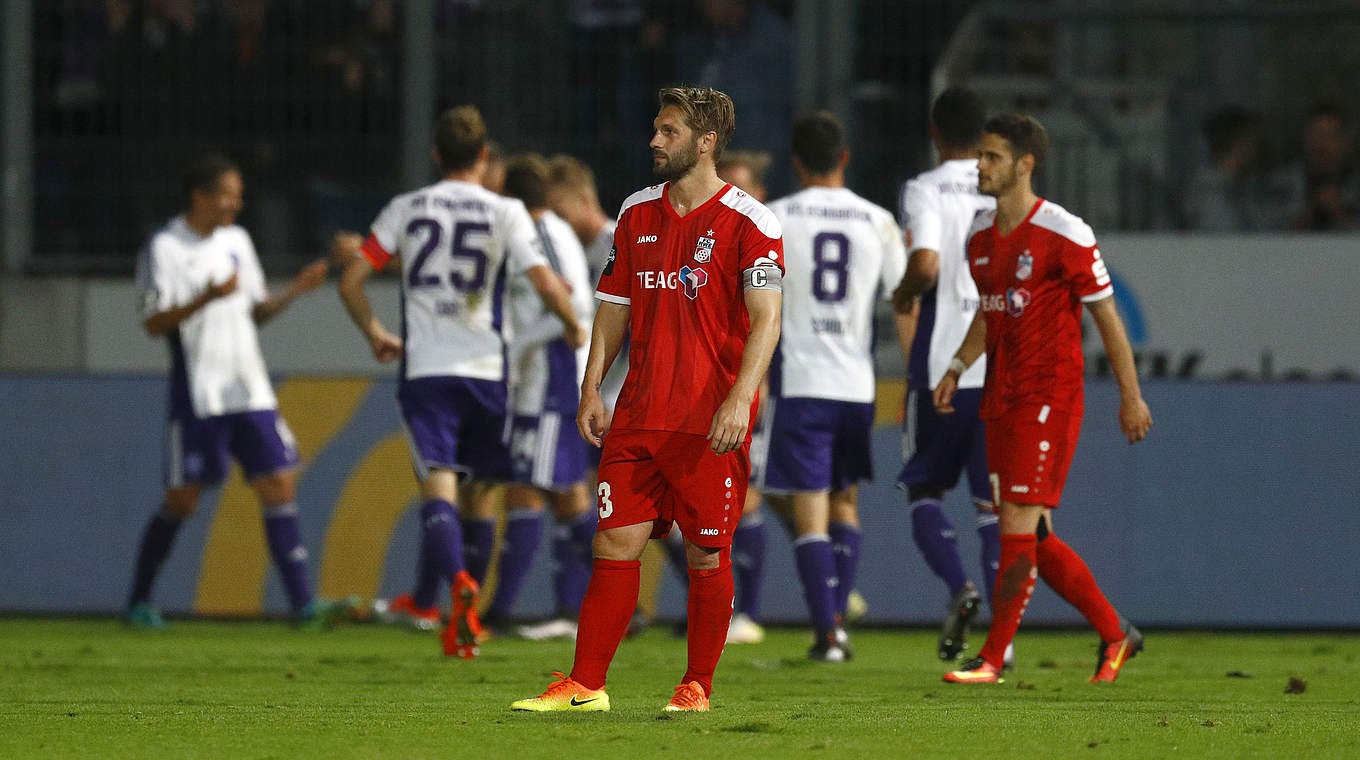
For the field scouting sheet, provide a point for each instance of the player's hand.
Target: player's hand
(225, 288)
(591, 418)
(344, 247)
(730, 424)
(385, 346)
(944, 392)
(575, 334)
(1134, 419)
(311, 276)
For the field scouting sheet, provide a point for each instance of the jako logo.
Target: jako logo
(708, 531)
(693, 279)
(646, 239)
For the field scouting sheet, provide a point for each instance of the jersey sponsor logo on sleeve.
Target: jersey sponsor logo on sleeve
(1024, 266)
(609, 262)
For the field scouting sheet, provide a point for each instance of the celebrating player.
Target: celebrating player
(822, 381)
(203, 290)
(546, 458)
(1035, 264)
(456, 242)
(935, 304)
(696, 274)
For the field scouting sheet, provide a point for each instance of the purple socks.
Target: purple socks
(523, 530)
(156, 542)
(573, 550)
(934, 535)
(748, 560)
(478, 537)
(817, 571)
(290, 556)
(845, 548)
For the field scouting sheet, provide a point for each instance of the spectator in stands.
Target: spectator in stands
(1321, 191)
(1225, 195)
(744, 48)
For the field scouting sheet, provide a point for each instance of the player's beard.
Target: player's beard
(676, 164)
(1000, 181)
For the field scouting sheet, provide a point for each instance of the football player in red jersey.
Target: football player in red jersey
(1035, 265)
(695, 275)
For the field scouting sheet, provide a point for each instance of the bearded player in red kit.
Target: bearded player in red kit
(1035, 265)
(696, 275)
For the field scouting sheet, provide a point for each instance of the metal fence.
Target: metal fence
(328, 106)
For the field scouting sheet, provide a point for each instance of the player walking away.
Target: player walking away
(456, 243)
(696, 274)
(746, 170)
(203, 290)
(822, 379)
(548, 459)
(1035, 264)
(934, 306)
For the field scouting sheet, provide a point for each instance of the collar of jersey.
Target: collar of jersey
(996, 228)
(666, 201)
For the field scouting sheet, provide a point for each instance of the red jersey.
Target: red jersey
(682, 278)
(1032, 284)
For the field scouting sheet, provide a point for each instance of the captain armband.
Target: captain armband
(762, 278)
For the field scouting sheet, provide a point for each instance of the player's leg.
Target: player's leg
(524, 507)
(157, 540)
(748, 563)
(477, 521)
(571, 562)
(817, 572)
(851, 463)
(843, 528)
(930, 445)
(709, 614)
(610, 599)
(984, 502)
(195, 455)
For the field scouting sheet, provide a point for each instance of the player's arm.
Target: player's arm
(974, 344)
(1134, 416)
(606, 339)
(557, 298)
(733, 418)
(162, 322)
(357, 269)
(309, 279)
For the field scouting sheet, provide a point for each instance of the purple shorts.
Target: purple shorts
(198, 450)
(456, 423)
(818, 445)
(546, 451)
(936, 447)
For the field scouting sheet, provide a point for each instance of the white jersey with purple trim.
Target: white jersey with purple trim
(533, 326)
(937, 210)
(220, 348)
(841, 252)
(457, 242)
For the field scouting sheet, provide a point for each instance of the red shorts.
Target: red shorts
(1029, 450)
(648, 475)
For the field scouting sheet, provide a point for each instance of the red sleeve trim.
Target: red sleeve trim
(375, 253)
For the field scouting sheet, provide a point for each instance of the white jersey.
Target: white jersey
(536, 371)
(597, 251)
(217, 346)
(937, 209)
(457, 242)
(841, 251)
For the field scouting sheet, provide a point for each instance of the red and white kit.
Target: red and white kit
(1032, 285)
(683, 279)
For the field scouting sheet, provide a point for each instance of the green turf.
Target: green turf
(96, 689)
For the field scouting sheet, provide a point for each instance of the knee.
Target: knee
(182, 502)
(610, 545)
(704, 557)
(278, 488)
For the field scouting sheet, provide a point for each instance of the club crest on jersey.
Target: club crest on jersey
(1016, 301)
(692, 279)
(703, 250)
(1024, 266)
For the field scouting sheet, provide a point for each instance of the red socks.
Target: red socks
(1014, 585)
(606, 609)
(710, 612)
(1063, 569)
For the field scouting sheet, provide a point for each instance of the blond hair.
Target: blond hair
(705, 110)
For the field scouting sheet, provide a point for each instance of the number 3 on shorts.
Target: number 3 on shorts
(606, 506)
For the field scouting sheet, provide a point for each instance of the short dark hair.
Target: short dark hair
(204, 171)
(958, 116)
(1329, 109)
(705, 110)
(1024, 133)
(818, 141)
(526, 178)
(459, 136)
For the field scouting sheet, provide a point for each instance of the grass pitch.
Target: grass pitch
(95, 689)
